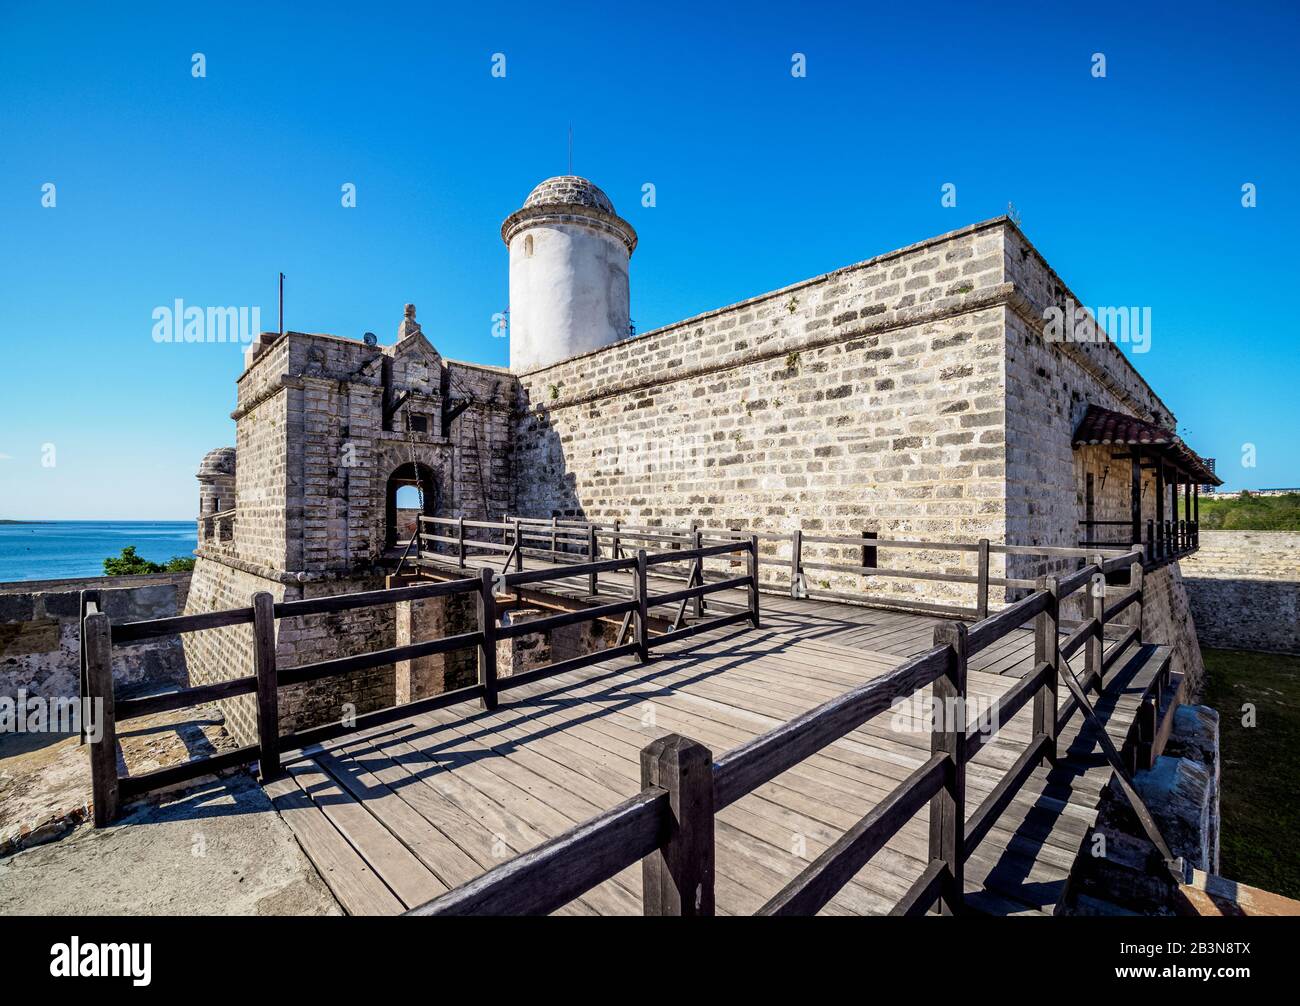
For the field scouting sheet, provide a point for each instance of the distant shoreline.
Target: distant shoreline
(94, 520)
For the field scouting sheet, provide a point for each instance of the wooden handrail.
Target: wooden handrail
(269, 677)
(669, 824)
(740, 771)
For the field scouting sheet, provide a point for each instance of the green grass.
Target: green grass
(1260, 766)
(1251, 513)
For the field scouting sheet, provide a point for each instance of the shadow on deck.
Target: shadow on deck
(394, 816)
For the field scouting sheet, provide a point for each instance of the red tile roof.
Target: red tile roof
(1104, 426)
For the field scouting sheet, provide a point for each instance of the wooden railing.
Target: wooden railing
(575, 541)
(668, 826)
(1164, 540)
(99, 635)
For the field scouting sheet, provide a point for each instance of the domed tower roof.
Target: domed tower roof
(569, 199)
(217, 462)
(569, 190)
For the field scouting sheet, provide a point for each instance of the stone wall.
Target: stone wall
(1245, 590)
(225, 653)
(1167, 617)
(40, 633)
(869, 397)
(1049, 386)
(913, 394)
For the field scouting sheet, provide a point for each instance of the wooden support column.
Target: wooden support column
(948, 806)
(677, 878)
(268, 688)
(103, 730)
(1159, 547)
(593, 583)
(487, 647)
(1135, 495)
(1176, 523)
(1187, 513)
(460, 542)
(1196, 515)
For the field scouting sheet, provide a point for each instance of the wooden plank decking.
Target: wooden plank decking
(395, 815)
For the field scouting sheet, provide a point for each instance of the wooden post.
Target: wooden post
(870, 552)
(1196, 515)
(593, 586)
(1135, 495)
(1135, 583)
(796, 560)
(460, 541)
(85, 599)
(751, 559)
(1160, 509)
(103, 738)
(1096, 608)
(948, 806)
(618, 542)
(642, 608)
(1151, 541)
(677, 878)
(268, 689)
(554, 524)
(982, 572)
(519, 547)
(697, 580)
(487, 649)
(1047, 643)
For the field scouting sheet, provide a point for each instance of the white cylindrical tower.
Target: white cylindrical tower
(569, 254)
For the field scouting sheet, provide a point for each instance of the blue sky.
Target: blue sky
(169, 187)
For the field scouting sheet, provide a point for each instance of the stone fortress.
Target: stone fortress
(913, 394)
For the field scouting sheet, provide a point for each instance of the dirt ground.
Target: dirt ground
(216, 848)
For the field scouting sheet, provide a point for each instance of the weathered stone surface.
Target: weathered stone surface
(40, 638)
(1244, 588)
(1181, 796)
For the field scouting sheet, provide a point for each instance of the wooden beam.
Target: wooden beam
(390, 410)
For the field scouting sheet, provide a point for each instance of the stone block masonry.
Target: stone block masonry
(872, 396)
(225, 653)
(40, 637)
(1244, 588)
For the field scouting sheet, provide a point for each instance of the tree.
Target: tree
(131, 564)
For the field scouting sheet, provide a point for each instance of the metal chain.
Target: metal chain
(415, 467)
